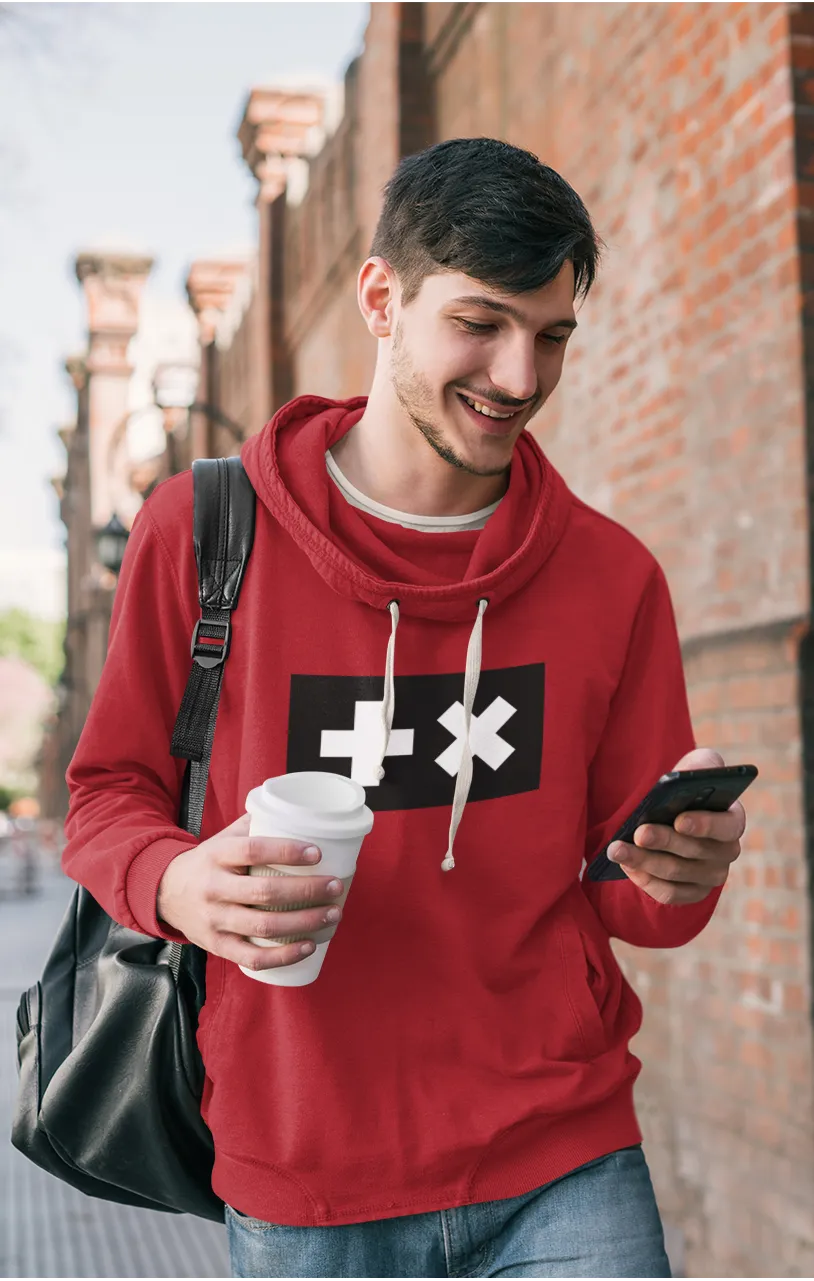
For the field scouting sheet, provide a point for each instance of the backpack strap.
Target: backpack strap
(223, 532)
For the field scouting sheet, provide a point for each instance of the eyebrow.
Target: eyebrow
(480, 300)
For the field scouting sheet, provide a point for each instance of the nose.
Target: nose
(513, 369)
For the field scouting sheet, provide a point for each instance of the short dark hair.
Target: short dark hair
(490, 210)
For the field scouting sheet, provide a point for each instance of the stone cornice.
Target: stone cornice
(112, 265)
(77, 370)
(108, 352)
(210, 285)
(112, 284)
(279, 129)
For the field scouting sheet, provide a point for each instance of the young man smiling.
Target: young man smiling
(430, 609)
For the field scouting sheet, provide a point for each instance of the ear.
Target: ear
(377, 292)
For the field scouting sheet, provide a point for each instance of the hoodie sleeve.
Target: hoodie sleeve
(647, 731)
(124, 786)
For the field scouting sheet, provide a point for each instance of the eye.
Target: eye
(558, 339)
(474, 327)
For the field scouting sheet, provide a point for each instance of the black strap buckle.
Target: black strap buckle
(210, 651)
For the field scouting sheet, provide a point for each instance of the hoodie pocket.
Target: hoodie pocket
(584, 987)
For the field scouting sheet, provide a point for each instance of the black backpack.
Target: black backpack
(110, 1076)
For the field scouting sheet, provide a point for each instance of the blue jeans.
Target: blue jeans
(600, 1220)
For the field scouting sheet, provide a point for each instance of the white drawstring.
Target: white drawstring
(389, 700)
(464, 780)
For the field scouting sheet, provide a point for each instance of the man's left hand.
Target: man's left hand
(684, 863)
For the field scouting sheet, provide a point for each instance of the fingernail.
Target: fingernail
(312, 854)
(307, 949)
(613, 851)
(332, 914)
(335, 887)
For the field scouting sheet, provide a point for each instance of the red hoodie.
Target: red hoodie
(467, 1038)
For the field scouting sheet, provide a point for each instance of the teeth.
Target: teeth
(489, 413)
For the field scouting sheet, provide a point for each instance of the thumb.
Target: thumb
(701, 758)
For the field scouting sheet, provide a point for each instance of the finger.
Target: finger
(666, 840)
(701, 758)
(254, 922)
(728, 825)
(255, 851)
(268, 891)
(234, 948)
(673, 867)
(667, 893)
(661, 840)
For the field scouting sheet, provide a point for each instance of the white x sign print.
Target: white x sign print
(484, 740)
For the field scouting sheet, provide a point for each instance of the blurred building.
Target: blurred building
(117, 451)
(685, 412)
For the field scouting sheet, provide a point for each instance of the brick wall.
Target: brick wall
(233, 388)
(684, 413)
(331, 352)
(725, 1094)
(388, 108)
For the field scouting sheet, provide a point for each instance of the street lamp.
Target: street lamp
(174, 387)
(110, 544)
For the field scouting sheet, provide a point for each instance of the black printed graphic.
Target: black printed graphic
(335, 724)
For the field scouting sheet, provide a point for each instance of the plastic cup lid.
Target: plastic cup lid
(313, 802)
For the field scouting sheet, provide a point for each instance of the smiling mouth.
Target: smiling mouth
(486, 412)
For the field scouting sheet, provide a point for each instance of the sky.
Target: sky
(118, 130)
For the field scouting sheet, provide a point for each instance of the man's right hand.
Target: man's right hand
(208, 895)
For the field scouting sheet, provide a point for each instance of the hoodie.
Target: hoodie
(506, 696)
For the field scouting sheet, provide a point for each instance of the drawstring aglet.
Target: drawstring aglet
(448, 863)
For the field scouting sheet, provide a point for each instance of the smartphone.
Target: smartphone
(673, 794)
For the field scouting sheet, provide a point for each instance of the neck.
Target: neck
(386, 457)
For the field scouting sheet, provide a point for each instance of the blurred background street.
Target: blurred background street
(187, 192)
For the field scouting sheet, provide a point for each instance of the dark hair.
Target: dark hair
(485, 208)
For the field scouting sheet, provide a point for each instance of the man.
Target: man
(453, 1095)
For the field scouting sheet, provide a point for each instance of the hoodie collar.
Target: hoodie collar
(285, 463)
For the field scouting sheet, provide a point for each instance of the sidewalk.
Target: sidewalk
(48, 1229)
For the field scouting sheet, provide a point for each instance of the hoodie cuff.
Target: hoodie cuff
(141, 886)
(676, 924)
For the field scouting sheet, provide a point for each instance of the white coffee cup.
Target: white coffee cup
(327, 810)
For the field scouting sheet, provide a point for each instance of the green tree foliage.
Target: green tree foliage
(9, 794)
(37, 641)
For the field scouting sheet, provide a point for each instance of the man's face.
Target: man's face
(460, 342)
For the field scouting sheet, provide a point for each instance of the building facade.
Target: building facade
(685, 412)
(96, 483)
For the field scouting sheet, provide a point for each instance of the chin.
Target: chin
(499, 462)
(490, 457)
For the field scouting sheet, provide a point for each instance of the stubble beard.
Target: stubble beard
(414, 394)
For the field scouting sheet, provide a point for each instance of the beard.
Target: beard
(414, 394)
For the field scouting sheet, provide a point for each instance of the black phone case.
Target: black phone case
(673, 794)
